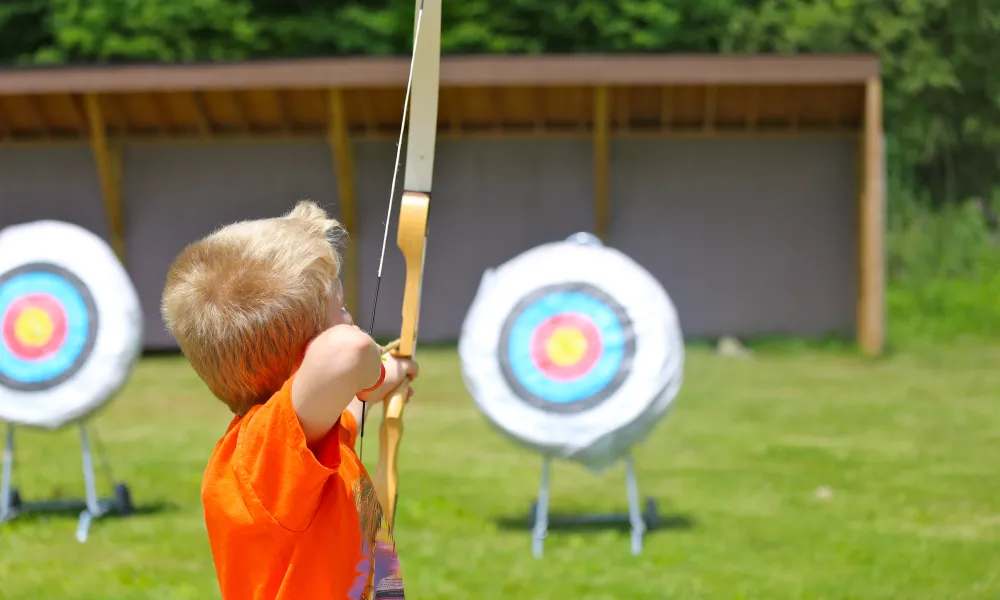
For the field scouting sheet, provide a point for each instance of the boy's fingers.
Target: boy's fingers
(406, 368)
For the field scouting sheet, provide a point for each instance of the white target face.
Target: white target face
(573, 349)
(70, 324)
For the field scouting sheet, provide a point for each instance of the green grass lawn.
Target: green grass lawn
(907, 446)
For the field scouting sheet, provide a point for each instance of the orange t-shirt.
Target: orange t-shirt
(289, 522)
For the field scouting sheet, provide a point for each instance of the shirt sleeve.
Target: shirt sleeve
(277, 469)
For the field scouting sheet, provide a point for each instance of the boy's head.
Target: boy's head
(244, 301)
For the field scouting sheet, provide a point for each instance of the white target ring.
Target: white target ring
(572, 349)
(70, 324)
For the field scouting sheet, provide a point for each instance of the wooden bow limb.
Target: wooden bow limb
(412, 238)
(389, 436)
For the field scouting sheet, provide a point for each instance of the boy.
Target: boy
(258, 311)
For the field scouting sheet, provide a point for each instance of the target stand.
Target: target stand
(641, 521)
(93, 507)
(70, 332)
(574, 350)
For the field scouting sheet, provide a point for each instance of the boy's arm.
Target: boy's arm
(339, 363)
(355, 409)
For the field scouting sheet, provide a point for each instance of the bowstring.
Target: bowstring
(392, 195)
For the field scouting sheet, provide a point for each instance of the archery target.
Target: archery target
(573, 349)
(70, 323)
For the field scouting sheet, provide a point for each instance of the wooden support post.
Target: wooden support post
(343, 166)
(601, 143)
(871, 226)
(108, 161)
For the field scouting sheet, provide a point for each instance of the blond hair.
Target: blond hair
(244, 301)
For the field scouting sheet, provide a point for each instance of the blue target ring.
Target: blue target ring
(60, 294)
(589, 373)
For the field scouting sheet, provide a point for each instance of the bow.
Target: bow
(422, 102)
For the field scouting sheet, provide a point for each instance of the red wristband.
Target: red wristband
(381, 378)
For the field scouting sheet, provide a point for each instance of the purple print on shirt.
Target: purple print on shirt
(387, 573)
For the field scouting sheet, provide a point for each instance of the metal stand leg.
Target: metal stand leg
(95, 508)
(634, 511)
(541, 529)
(640, 521)
(6, 510)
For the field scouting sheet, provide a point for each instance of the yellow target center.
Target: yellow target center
(33, 327)
(566, 346)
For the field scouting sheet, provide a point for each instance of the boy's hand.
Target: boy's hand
(397, 371)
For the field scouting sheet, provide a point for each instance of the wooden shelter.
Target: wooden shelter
(600, 117)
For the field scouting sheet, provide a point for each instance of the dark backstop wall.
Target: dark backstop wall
(747, 236)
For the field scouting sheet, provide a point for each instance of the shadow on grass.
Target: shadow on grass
(594, 522)
(35, 511)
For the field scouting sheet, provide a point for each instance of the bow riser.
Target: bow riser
(411, 239)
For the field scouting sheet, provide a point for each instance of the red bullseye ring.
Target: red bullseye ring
(580, 332)
(25, 336)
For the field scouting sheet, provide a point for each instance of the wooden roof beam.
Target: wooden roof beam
(202, 118)
(624, 112)
(38, 115)
(455, 122)
(794, 110)
(369, 122)
(108, 162)
(240, 109)
(753, 109)
(284, 112)
(495, 101)
(338, 136)
(80, 115)
(710, 116)
(118, 108)
(602, 149)
(456, 71)
(542, 109)
(666, 109)
(5, 128)
(162, 115)
(840, 98)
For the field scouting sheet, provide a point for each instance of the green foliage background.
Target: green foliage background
(942, 104)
